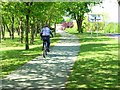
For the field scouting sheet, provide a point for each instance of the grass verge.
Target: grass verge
(13, 53)
(97, 63)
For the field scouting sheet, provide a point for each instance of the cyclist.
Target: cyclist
(45, 36)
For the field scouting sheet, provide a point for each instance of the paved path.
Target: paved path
(46, 73)
(116, 36)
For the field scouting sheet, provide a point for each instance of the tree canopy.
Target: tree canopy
(29, 17)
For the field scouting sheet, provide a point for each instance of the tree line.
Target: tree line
(27, 18)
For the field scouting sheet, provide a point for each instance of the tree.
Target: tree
(21, 30)
(32, 30)
(28, 11)
(0, 24)
(10, 11)
(77, 11)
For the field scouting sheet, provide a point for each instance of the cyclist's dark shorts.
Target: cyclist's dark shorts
(45, 38)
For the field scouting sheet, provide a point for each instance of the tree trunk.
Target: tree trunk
(27, 25)
(35, 26)
(10, 34)
(41, 25)
(12, 27)
(32, 33)
(55, 28)
(3, 31)
(18, 27)
(21, 30)
(37, 29)
(0, 30)
(5, 24)
(79, 25)
(26, 33)
(0, 27)
(18, 30)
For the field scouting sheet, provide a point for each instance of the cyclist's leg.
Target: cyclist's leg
(44, 39)
(43, 45)
(48, 43)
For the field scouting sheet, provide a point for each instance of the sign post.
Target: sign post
(95, 18)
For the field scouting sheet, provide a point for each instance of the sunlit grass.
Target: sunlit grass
(13, 53)
(97, 63)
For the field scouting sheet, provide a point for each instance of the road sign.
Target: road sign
(95, 18)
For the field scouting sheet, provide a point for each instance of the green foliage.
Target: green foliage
(111, 28)
(68, 20)
(77, 9)
(44, 11)
(71, 30)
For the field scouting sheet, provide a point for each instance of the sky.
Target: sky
(109, 9)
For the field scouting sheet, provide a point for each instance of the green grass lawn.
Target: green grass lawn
(97, 63)
(13, 53)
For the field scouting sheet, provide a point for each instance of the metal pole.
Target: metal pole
(96, 25)
(97, 29)
(91, 30)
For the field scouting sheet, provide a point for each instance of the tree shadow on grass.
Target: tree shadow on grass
(94, 39)
(12, 59)
(91, 73)
(97, 47)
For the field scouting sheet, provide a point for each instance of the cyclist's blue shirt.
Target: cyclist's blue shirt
(45, 31)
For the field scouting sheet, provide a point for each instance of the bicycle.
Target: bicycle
(44, 49)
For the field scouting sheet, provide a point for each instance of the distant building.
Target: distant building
(67, 24)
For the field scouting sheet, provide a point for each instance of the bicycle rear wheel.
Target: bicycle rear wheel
(45, 49)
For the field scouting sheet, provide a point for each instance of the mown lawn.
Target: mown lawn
(13, 53)
(97, 63)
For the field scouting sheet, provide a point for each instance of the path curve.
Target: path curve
(51, 72)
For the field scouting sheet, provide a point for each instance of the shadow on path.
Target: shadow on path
(49, 72)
